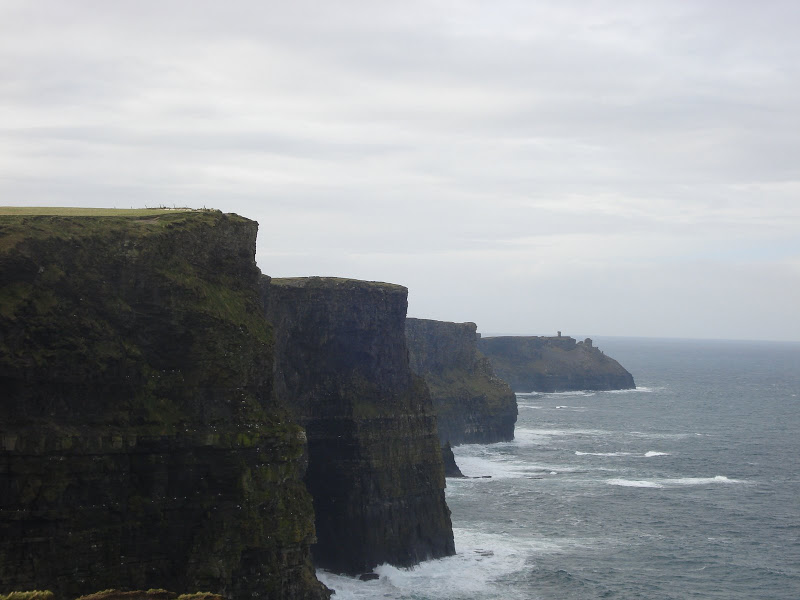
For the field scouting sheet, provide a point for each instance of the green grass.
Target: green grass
(67, 211)
(328, 282)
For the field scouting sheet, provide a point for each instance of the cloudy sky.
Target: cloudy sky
(598, 167)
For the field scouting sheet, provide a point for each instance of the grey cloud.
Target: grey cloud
(641, 154)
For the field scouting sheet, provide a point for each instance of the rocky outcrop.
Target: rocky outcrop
(449, 459)
(553, 364)
(375, 468)
(140, 444)
(473, 405)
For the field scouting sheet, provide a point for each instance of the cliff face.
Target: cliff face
(140, 448)
(375, 468)
(473, 405)
(553, 364)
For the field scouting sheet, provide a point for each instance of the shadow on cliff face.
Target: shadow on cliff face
(375, 469)
(472, 404)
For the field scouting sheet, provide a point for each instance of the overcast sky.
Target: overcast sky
(602, 168)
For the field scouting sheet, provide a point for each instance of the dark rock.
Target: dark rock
(375, 468)
(151, 594)
(140, 445)
(448, 458)
(553, 364)
(369, 576)
(472, 404)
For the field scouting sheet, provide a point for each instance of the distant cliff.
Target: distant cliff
(375, 468)
(472, 404)
(553, 364)
(140, 444)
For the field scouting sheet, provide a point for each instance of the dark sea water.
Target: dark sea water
(688, 487)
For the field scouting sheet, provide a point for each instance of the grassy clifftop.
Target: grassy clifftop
(75, 211)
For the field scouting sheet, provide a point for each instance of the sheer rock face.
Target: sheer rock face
(375, 468)
(140, 446)
(553, 364)
(473, 405)
(448, 458)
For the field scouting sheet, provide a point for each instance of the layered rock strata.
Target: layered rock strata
(140, 444)
(553, 364)
(472, 404)
(375, 467)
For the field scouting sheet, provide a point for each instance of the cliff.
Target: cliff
(140, 445)
(472, 404)
(375, 468)
(553, 364)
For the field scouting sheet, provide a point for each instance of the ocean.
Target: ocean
(687, 487)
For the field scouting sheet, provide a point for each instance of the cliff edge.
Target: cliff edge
(141, 447)
(375, 468)
(553, 364)
(472, 404)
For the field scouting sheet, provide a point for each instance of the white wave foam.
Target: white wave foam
(634, 483)
(642, 389)
(654, 453)
(524, 436)
(701, 480)
(671, 482)
(482, 558)
(490, 468)
(579, 453)
(660, 435)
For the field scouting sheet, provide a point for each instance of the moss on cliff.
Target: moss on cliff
(140, 445)
(472, 404)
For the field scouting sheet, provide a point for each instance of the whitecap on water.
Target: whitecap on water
(488, 468)
(526, 436)
(643, 483)
(649, 454)
(481, 560)
(661, 435)
(579, 453)
(701, 480)
(671, 482)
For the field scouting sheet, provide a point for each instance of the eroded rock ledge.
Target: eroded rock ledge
(472, 404)
(553, 364)
(375, 469)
